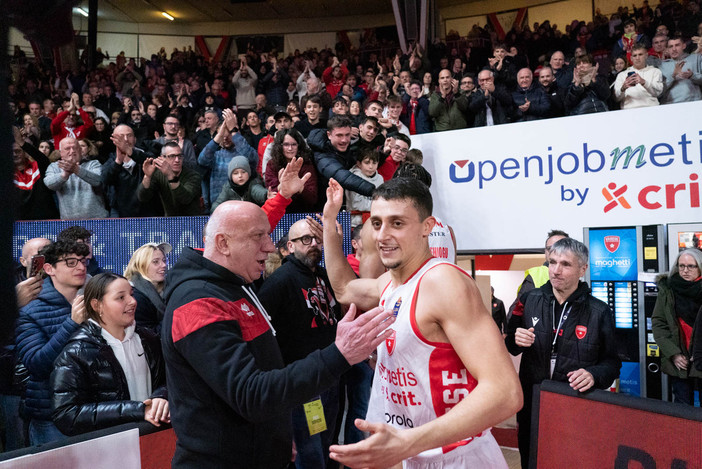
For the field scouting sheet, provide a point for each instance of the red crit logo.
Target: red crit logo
(614, 197)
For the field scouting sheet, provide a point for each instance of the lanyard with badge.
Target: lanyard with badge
(564, 315)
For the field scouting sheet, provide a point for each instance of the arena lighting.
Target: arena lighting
(82, 12)
(167, 16)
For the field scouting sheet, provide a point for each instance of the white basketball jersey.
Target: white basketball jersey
(417, 381)
(441, 242)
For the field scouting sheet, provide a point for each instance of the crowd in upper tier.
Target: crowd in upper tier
(179, 135)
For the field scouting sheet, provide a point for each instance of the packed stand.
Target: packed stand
(177, 135)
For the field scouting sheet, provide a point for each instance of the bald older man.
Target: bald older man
(304, 311)
(529, 101)
(231, 395)
(77, 183)
(122, 173)
(562, 71)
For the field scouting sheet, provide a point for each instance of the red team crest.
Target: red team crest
(580, 331)
(390, 343)
(611, 243)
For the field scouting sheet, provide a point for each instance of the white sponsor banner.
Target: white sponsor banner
(505, 187)
(115, 451)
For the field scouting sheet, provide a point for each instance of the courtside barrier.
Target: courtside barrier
(602, 429)
(127, 446)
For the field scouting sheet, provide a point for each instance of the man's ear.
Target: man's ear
(222, 244)
(429, 224)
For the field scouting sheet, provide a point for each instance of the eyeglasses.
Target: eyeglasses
(307, 240)
(171, 123)
(683, 267)
(174, 156)
(73, 261)
(399, 149)
(290, 145)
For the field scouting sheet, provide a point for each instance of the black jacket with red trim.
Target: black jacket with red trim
(587, 340)
(229, 394)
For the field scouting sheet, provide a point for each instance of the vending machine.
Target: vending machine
(623, 264)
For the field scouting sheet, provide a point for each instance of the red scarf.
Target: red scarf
(26, 178)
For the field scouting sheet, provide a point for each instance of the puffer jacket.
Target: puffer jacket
(666, 332)
(588, 99)
(43, 329)
(89, 385)
(333, 164)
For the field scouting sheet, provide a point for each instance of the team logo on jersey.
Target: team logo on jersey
(247, 310)
(534, 320)
(396, 308)
(580, 331)
(390, 343)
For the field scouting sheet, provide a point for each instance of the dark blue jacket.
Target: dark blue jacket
(43, 329)
(421, 119)
(539, 106)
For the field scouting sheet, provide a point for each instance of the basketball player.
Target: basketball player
(445, 376)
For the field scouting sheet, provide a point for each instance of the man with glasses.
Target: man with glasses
(491, 103)
(171, 126)
(177, 186)
(304, 312)
(416, 110)
(78, 234)
(44, 327)
(396, 149)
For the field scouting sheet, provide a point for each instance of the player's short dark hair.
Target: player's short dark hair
(408, 189)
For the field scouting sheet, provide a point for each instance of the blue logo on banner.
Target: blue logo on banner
(630, 379)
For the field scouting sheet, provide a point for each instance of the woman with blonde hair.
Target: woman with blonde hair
(146, 272)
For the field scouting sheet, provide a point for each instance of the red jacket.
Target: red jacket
(58, 128)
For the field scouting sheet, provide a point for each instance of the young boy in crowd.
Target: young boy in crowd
(241, 186)
(415, 156)
(366, 168)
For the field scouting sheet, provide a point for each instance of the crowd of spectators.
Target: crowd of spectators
(179, 136)
(159, 136)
